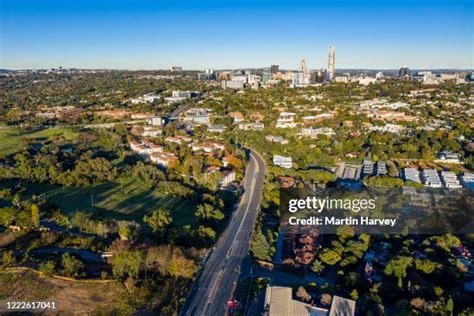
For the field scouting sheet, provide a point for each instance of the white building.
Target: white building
(286, 120)
(282, 161)
(146, 98)
(314, 132)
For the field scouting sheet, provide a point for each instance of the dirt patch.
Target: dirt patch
(70, 297)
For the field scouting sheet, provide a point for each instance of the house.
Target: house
(207, 147)
(178, 139)
(276, 139)
(286, 182)
(237, 117)
(229, 177)
(256, 117)
(315, 132)
(146, 98)
(164, 159)
(151, 131)
(217, 128)
(145, 148)
(251, 126)
(155, 121)
(196, 116)
(448, 157)
(279, 302)
(286, 120)
(282, 161)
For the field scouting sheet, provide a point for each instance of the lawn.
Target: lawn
(10, 139)
(124, 199)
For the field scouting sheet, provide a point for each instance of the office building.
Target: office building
(331, 62)
(274, 69)
(404, 73)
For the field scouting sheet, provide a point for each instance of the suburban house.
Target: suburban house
(207, 146)
(196, 116)
(251, 126)
(164, 159)
(286, 120)
(178, 139)
(229, 177)
(276, 139)
(145, 148)
(282, 161)
(237, 117)
(216, 128)
(279, 302)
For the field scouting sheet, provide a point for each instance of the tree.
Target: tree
(450, 306)
(158, 220)
(35, 215)
(48, 268)
(354, 294)
(398, 267)
(71, 265)
(426, 266)
(317, 267)
(207, 233)
(206, 212)
(259, 246)
(127, 263)
(128, 230)
(345, 232)
(303, 295)
(8, 259)
(326, 299)
(330, 257)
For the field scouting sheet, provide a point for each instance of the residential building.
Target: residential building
(155, 121)
(276, 139)
(146, 98)
(450, 180)
(412, 174)
(430, 178)
(207, 147)
(448, 157)
(151, 131)
(286, 120)
(233, 84)
(229, 177)
(282, 161)
(178, 139)
(237, 117)
(279, 302)
(251, 126)
(216, 128)
(164, 159)
(196, 116)
(315, 132)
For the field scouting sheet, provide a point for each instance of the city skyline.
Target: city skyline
(148, 35)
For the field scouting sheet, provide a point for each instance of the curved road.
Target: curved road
(218, 278)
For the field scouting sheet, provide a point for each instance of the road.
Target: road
(216, 282)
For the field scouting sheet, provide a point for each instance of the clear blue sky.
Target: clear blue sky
(200, 34)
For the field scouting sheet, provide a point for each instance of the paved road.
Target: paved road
(218, 278)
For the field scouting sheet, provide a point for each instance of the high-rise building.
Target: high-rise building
(404, 72)
(304, 68)
(331, 62)
(274, 69)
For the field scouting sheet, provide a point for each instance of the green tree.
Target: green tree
(35, 215)
(398, 267)
(259, 246)
(317, 267)
(127, 263)
(330, 257)
(158, 220)
(206, 212)
(8, 259)
(71, 265)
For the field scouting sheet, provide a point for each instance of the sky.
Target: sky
(200, 34)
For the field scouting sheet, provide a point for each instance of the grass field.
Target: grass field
(124, 199)
(10, 140)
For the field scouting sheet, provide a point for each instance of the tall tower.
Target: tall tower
(304, 67)
(331, 61)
